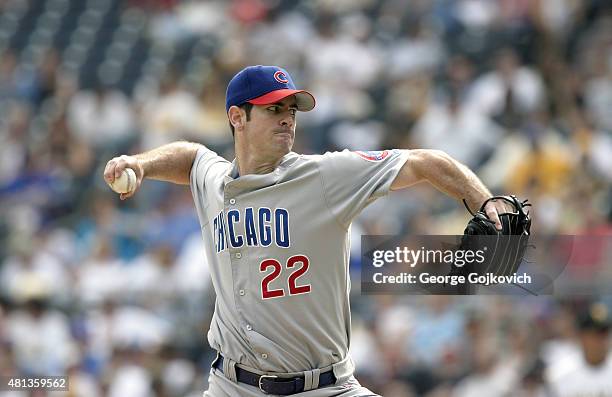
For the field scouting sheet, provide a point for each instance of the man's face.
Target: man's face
(271, 129)
(595, 345)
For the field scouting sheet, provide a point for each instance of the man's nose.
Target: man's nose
(287, 121)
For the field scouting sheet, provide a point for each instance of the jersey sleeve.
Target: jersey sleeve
(203, 169)
(352, 180)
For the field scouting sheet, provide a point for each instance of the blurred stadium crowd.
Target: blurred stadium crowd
(117, 294)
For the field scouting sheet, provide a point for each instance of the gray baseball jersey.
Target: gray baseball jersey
(278, 249)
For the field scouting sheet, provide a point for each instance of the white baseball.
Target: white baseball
(126, 182)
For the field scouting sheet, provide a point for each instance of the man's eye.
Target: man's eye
(273, 109)
(293, 111)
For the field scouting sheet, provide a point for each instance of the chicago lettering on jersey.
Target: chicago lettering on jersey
(251, 227)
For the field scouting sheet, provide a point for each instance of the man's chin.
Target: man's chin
(286, 150)
(284, 145)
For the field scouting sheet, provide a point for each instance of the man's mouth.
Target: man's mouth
(284, 132)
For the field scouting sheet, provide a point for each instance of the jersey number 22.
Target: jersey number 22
(292, 263)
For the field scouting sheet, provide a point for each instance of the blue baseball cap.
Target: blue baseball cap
(262, 85)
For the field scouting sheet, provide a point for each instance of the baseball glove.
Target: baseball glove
(502, 250)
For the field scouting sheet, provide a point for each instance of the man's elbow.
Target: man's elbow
(422, 165)
(426, 161)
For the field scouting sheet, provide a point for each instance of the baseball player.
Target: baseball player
(276, 226)
(589, 374)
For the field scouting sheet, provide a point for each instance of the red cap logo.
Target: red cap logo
(280, 77)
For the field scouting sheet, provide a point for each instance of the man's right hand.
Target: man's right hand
(115, 167)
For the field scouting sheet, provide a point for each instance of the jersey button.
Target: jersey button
(238, 255)
(232, 201)
(241, 292)
(264, 356)
(249, 328)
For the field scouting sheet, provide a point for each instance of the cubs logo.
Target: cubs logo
(281, 77)
(374, 155)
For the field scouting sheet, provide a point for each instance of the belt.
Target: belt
(272, 384)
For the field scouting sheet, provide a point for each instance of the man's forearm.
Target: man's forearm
(453, 178)
(171, 162)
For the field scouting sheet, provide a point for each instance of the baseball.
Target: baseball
(126, 182)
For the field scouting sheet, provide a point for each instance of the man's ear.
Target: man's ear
(236, 116)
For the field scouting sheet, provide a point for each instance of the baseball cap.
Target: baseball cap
(595, 317)
(262, 85)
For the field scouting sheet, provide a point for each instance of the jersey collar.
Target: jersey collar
(247, 182)
(284, 163)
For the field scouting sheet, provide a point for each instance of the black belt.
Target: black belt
(271, 384)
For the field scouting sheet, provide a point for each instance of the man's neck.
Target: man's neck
(256, 165)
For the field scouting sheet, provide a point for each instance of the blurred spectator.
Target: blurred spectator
(357, 134)
(533, 383)
(191, 273)
(102, 276)
(13, 139)
(82, 384)
(33, 273)
(346, 57)
(458, 129)
(15, 82)
(459, 76)
(8, 75)
(129, 376)
(365, 351)
(548, 165)
(436, 336)
(476, 14)
(589, 373)
(178, 374)
(419, 50)
(290, 30)
(36, 355)
(213, 129)
(492, 373)
(406, 101)
(171, 115)
(97, 218)
(45, 77)
(165, 26)
(101, 117)
(598, 90)
(509, 92)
